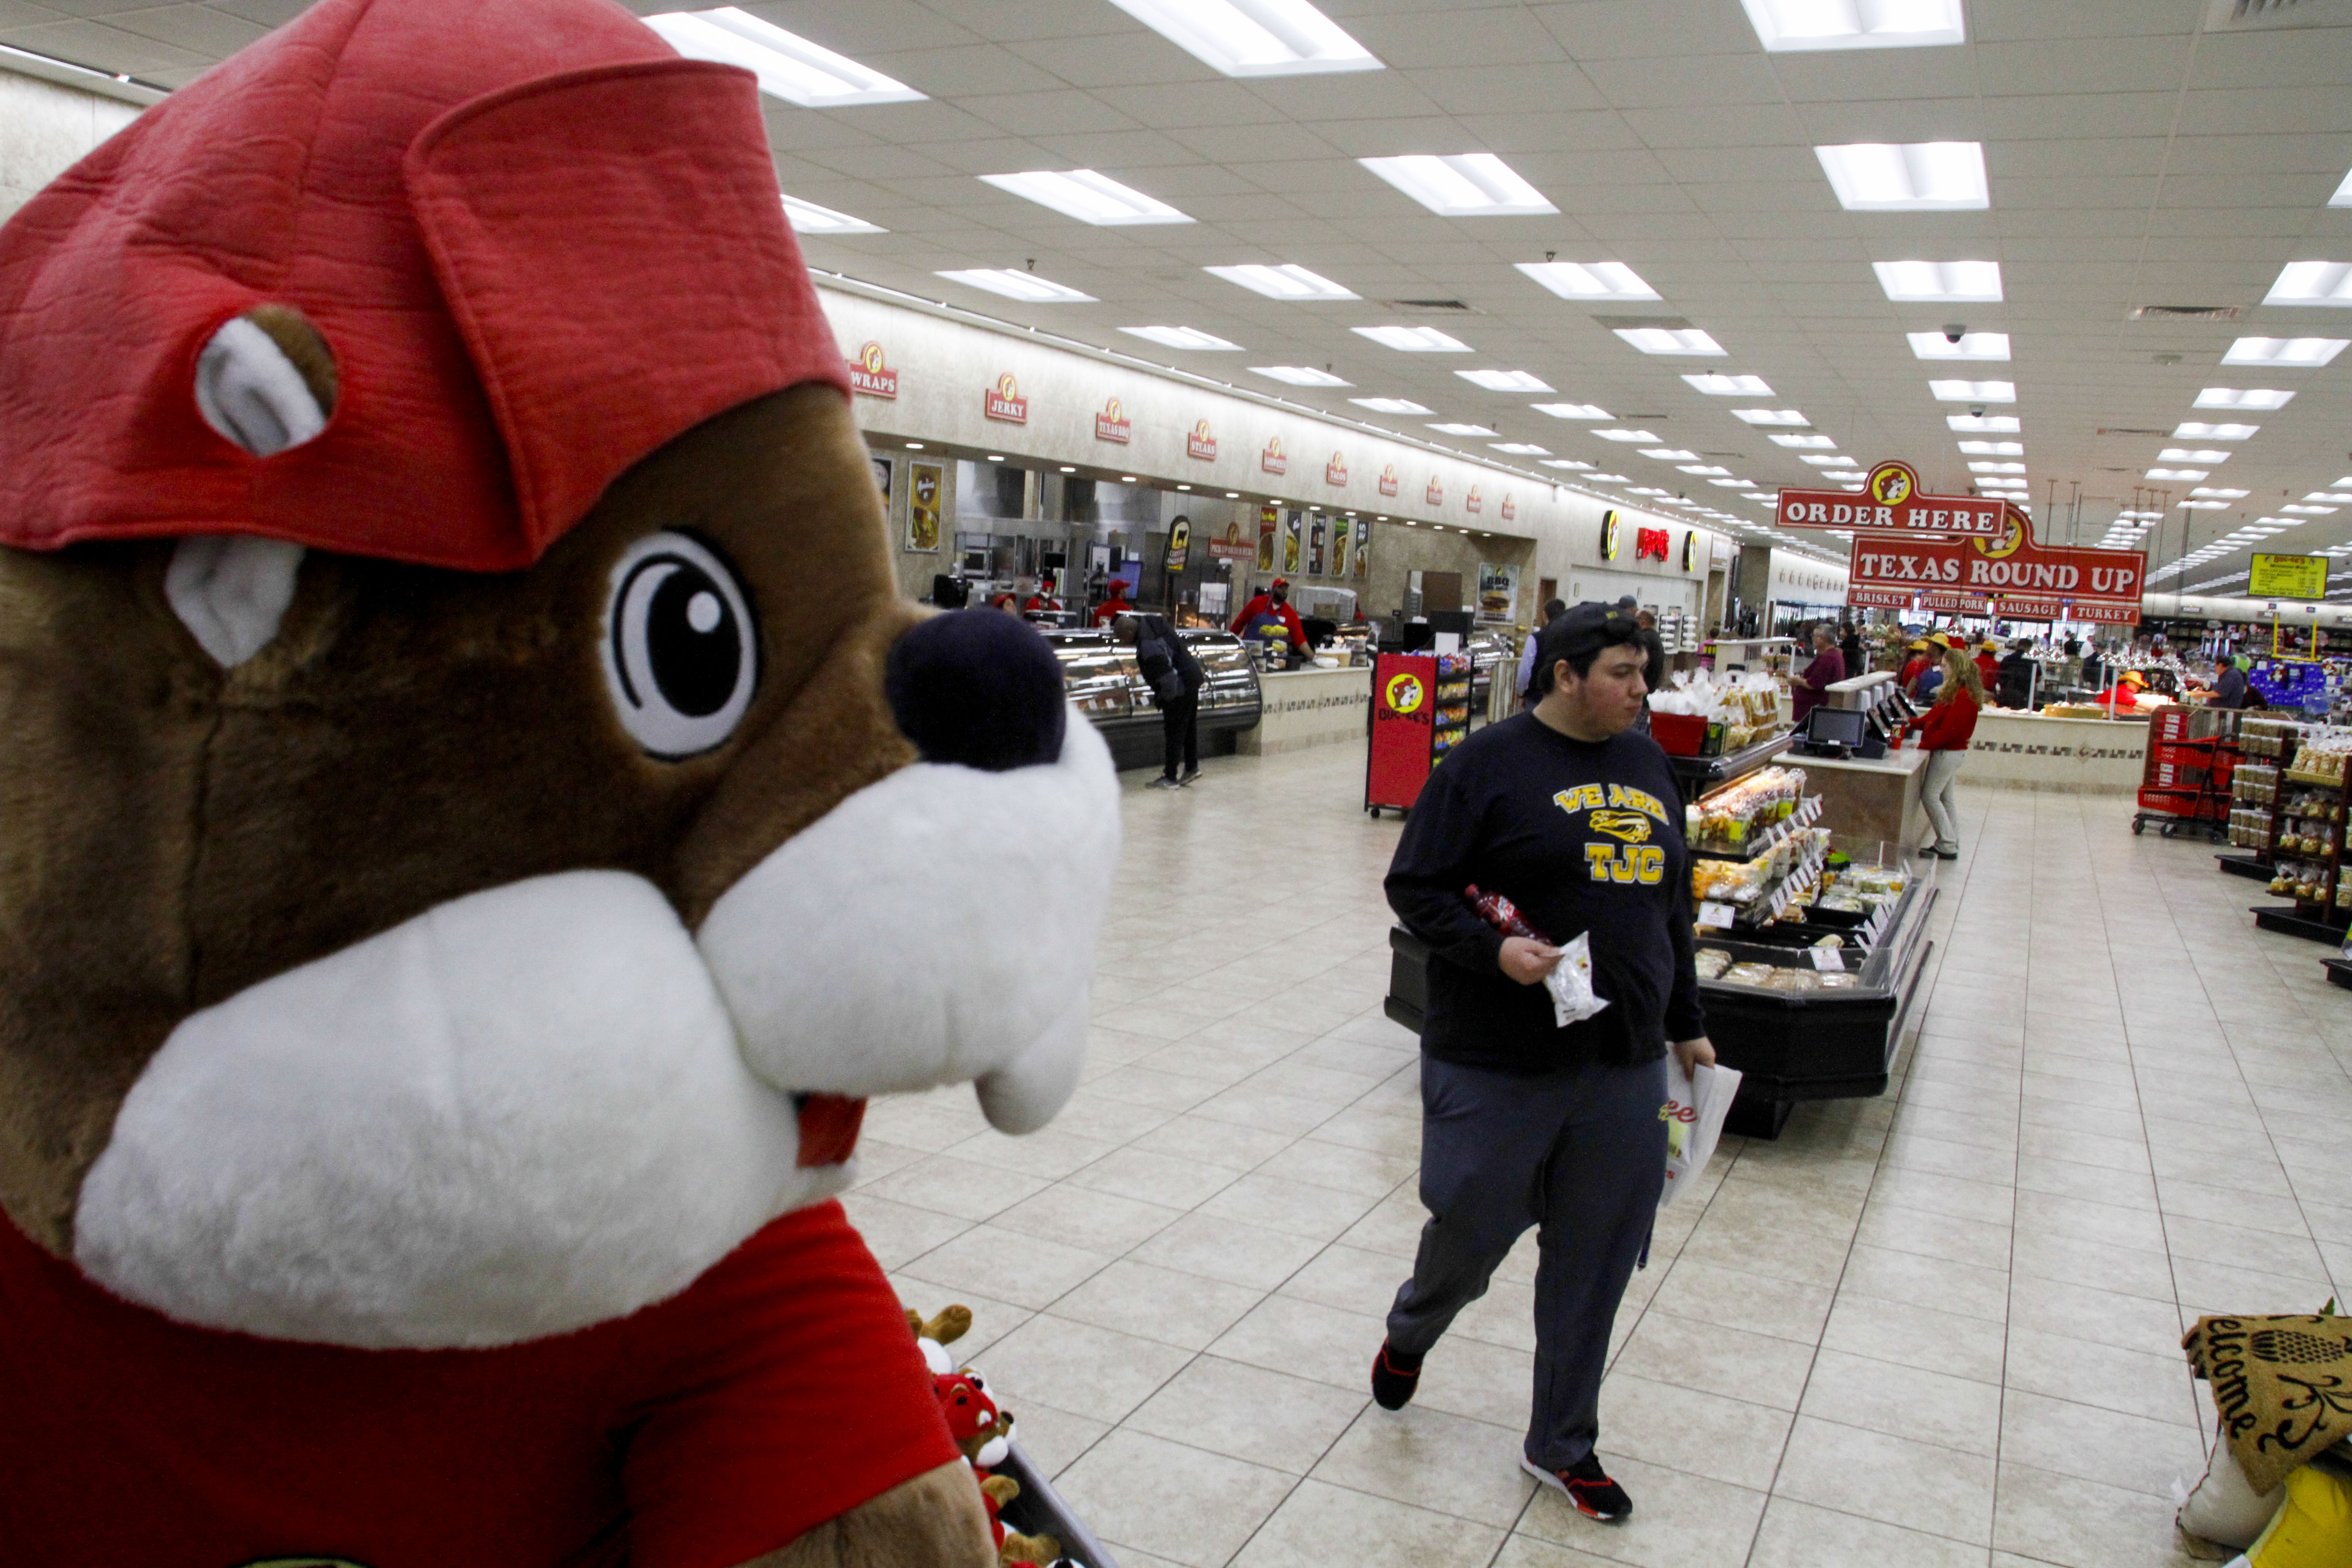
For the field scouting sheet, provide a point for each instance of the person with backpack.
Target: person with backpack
(1175, 678)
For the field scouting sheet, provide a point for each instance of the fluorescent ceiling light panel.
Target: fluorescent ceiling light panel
(2221, 494)
(1014, 284)
(1088, 196)
(2309, 510)
(1770, 416)
(1839, 460)
(1609, 479)
(1988, 423)
(2255, 397)
(2192, 455)
(1958, 282)
(1390, 405)
(2288, 353)
(1991, 466)
(1628, 434)
(1732, 484)
(1668, 340)
(1282, 282)
(1670, 454)
(1759, 495)
(1809, 443)
(2343, 197)
(1590, 279)
(1704, 470)
(1253, 37)
(1180, 337)
(2326, 495)
(1465, 184)
(1298, 374)
(1973, 390)
(2311, 283)
(1502, 380)
(2204, 506)
(1569, 463)
(1787, 25)
(1458, 428)
(2178, 474)
(1572, 410)
(1907, 177)
(1993, 448)
(807, 218)
(1730, 385)
(1649, 491)
(2196, 430)
(1414, 340)
(789, 67)
(1519, 448)
(1971, 345)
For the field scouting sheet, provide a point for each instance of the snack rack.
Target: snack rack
(1419, 711)
(2310, 804)
(2265, 742)
(2185, 780)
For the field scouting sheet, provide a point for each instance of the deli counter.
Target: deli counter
(1102, 679)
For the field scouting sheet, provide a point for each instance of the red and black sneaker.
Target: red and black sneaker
(1588, 1485)
(1394, 1377)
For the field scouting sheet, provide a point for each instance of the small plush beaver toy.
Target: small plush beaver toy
(476, 825)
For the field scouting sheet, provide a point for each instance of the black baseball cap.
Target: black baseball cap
(1587, 629)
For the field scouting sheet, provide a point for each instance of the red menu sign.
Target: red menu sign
(1004, 401)
(1984, 575)
(1890, 501)
(869, 376)
(1272, 459)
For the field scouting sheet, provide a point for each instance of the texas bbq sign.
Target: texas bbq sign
(1963, 553)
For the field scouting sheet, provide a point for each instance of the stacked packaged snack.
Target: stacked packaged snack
(2305, 880)
(1732, 819)
(1740, 710)
(2320, 757)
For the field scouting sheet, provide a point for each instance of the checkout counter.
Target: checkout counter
(1872, 796)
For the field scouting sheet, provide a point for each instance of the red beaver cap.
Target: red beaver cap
(538, 242)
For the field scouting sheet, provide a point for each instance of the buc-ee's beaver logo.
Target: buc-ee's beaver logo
(1630, 826)
(1406, 693)
(1892, 484)
(2011, 536)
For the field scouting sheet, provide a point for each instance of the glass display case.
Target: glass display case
(1102, 679)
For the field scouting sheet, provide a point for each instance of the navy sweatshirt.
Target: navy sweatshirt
(1583, 837)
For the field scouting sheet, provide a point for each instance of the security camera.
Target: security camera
(1977, 410)
(1955, 331)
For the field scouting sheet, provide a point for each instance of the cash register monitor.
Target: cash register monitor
(1837, 726)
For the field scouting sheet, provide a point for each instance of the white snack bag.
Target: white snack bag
(1570, 982)
(1696, 1106)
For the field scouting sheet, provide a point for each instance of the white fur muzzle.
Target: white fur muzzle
(546, 1105)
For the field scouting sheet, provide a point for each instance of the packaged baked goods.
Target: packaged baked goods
(1711, 962)
(1749, 974)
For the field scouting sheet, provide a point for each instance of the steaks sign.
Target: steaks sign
(2008, 569)
(1890, 500)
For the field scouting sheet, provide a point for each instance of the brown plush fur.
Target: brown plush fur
(177, 833)
(936, 1520)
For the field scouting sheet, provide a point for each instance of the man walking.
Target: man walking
(1578, 822)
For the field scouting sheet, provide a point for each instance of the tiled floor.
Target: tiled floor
(1938, 1329)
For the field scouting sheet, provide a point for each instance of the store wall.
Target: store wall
(45, 130)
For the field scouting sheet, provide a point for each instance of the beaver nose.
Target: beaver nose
(978, 688)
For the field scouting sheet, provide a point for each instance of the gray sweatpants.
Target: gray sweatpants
(1580, 1154)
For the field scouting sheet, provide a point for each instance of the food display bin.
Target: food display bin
(1101, 678)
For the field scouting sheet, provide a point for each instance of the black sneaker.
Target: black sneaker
(1190, 774)
(1948, 854)
(1588, 1485)
(1394, 1377)
(1163, 782)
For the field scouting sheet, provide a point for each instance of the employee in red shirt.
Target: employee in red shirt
(1115, 605)
(1920, 662)
(1274, 602)
(1944, 731)
(1043, 599)
(1987, 660)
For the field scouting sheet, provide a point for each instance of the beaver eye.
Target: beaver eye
(681, 651)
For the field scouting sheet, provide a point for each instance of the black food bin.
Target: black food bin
(1788, 1045)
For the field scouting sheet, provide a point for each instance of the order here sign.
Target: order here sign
(1993, 573)
(1890, 501)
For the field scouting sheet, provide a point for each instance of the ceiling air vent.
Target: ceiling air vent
(2238, 16)
(1431, 307)
(2129, 430)
(1633, 324)
(2184, 312)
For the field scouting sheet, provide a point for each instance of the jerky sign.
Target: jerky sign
(1004, 401)
(2009, 565)
(1890, 501)
(870, 377)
